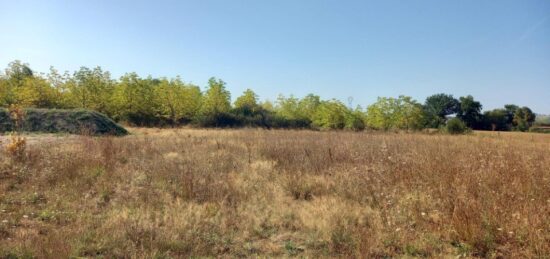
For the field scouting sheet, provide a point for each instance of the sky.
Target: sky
(497, 51)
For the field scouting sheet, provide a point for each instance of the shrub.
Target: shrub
(16, 148)
(540, 129)
(456, 126)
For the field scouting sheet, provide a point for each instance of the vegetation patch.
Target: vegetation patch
(76, 121)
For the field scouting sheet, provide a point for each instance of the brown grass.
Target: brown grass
(245, 193)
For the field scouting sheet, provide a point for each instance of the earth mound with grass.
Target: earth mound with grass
(77, 121)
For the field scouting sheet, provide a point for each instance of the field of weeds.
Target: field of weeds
(245, 193)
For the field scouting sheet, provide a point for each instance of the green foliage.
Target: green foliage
(20, 87)
(247, 111)
(307, 106)
(523, 119)
(18, 71)
(395, 113)
(134, 100)
(470, 112)
(248, 101)
(355, 120)
(438, 106)
(330, 115)
(496, 119)
(512, 117)
(288, 107)
(539, 129)
(177, 101)
(163, 101)
(456, 126)
(217, 99)
(90, 89)
(510, 111)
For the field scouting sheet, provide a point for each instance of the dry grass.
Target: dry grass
(244, 193)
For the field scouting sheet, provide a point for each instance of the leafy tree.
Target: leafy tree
(248, 102)
(524, 119)
(438, 106)
(59, 82)
(330, 115)
(307, 106)
(395, 113)
(510, 112)
(288, 113)
(176, 100)
(267, 105)
(134, 100)
(22, 87)
(288, 107)
(470, 112)
(496, 119)
(216, 106)
(248, 112)
(4, 92)
(216, 99)
(91, 89)
(18, 71)
(36, 92)
(355, 120)
(12, 83)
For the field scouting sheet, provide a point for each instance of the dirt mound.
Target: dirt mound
(63, 121)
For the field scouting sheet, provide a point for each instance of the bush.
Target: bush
(222, 120)
(62, 121)
(540, 129)
(456, 126)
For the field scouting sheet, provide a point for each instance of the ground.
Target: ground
(175, 193)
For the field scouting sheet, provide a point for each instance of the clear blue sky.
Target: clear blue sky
(498, 51)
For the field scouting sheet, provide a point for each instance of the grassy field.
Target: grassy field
(244, 193)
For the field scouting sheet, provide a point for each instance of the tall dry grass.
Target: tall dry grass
(244, 193)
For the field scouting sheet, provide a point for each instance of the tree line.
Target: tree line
(152, 101)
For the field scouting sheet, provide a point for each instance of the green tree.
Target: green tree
(510, 112)
(176, 100)
(18, 71)
(355, 120)
(216, 106)
(22, 87)
(16, 74)
(524, 119)
(496, 119)
(134, 100)
(59, 82)
(216, 99)
(91, 89)
(395, 113)
(438, 107)
(247, 102)
(5, 93)
(36, 92)
(330, 115)
(288, 107)
(470, 112)
(307, 107)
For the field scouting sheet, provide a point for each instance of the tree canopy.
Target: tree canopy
(395, 113)
(438, 106)
(148, 101)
